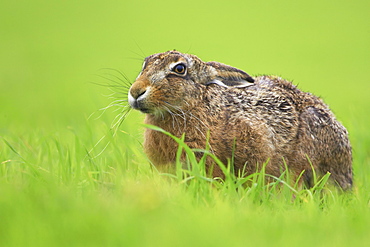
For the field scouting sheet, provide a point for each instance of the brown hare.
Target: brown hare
(258, 120)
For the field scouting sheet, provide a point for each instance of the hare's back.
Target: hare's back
(273, 104)
(268, 107)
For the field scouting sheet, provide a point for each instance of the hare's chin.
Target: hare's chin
(142, 107)
(157, 111)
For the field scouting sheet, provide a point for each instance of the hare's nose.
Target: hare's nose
(136, 94)
(136, 97)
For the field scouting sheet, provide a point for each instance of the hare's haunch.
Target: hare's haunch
(258, 120)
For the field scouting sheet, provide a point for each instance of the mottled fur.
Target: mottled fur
(258, 119)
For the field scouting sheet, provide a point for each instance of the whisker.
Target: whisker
(119, 101)
(116, 84)
(117, 71)
(172, 115)
(114, 105)
(118, 120)
(125, 79)
(202, 128)
(137, 45)
(141, 57)
(179, 112)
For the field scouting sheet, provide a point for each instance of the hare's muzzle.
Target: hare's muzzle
(137, 96)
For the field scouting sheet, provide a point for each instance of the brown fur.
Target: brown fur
(267, 120)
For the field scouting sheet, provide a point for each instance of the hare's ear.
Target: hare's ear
(228, 76)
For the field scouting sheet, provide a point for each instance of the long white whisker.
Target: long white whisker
(177, 111)
(173, 116)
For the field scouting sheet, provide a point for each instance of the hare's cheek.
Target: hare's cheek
(156, 98)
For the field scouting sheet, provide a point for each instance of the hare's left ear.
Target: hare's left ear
(228, 76)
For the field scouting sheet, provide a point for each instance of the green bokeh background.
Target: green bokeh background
(50, 51)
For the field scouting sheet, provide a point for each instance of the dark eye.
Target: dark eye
(179, 69)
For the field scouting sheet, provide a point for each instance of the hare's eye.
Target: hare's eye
(179, 69)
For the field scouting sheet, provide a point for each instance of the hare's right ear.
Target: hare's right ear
(228, 76)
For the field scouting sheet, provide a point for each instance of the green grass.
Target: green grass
(68, 179)
(54, 191)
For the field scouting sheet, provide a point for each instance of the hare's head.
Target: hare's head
(173, 81)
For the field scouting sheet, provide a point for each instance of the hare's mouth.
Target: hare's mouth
(138, 101)
(140, 106)
(148, 110)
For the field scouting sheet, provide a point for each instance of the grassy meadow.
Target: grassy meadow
(68, 179)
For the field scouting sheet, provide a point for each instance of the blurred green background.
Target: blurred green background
(50, 51)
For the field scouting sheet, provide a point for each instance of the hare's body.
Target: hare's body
(267, 120)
